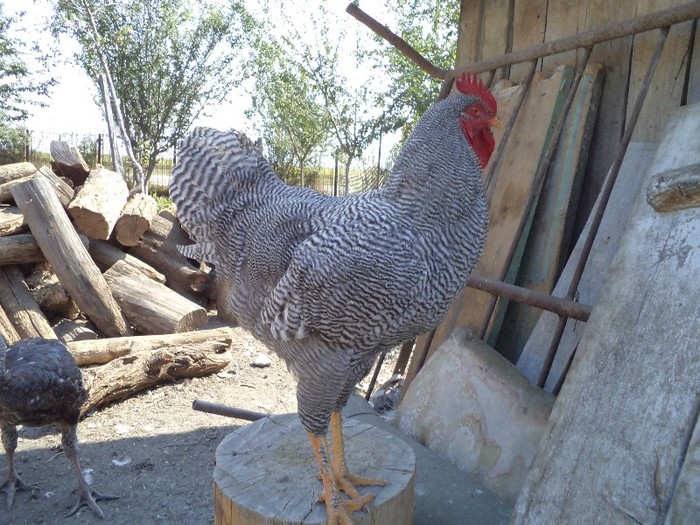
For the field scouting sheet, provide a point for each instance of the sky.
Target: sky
(71, 108)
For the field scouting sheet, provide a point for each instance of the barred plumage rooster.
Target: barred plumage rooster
(329, 283)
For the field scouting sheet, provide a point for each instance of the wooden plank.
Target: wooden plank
(497, 29)
(627, 187)
(667, 87)
(616, 437)
(470, 31)
(564, 18)
(508, 195)
(529, 24)
(615, 57)
(548, 242)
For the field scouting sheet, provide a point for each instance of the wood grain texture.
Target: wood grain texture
(97, 206)
(11, 221)
(617, 432)
(69, 258)
(20, 306)
(266, 473)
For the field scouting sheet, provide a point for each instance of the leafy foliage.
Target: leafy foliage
(169, 59)
(18, 86)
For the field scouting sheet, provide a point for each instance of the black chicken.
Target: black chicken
(40, 384)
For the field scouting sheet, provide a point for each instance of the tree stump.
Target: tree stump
(266, 473)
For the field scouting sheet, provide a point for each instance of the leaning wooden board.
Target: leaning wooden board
(507, 197)
(616, 438)
(628, 185)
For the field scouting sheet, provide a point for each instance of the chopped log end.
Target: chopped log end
(281, 486)
(192, 320)
(92, 224)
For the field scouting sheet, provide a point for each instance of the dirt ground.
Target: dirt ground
(152, 450)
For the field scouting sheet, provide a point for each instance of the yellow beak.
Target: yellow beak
(495, 122)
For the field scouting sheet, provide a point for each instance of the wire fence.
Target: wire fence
(326, 175)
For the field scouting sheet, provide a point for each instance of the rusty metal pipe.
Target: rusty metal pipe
(224, 410)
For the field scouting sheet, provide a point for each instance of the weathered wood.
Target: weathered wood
(532, 358)
(7, 329)
(152, 307)
(616, 437)
(529, 25)
(6, 189)
(158, 247)
(69, 162)
(675, 189)
(19, 249)
(552, 223)
(126, 376)
(135, 219)
(11, 221)
(98, 204)
(280, 485)
(50, 294)
(64, 249)
(64, 191)
(105, 255)
(68, 330)
(685, 506)
(101, 351)
(20, 170)
(20, 306)
(507, 198)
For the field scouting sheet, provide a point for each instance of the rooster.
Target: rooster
(329, 283)
(41, 384)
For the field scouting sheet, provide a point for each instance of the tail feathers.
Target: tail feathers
(213, 168)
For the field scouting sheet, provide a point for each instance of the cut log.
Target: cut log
(126, 376)
(101, 351)
(135, 219)
(68, 330)
(105, 255)
(98, 204)
(158, 247)
(64, 191)
(11, 221)
(64, 249)
(675, 189)
(68, 161)
(20, 306)
(20, 170)
(7, 330)
(48, 292)
(19, 249)
(152, 307)
(280, 484)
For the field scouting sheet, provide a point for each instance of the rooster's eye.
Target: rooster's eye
(475, 111)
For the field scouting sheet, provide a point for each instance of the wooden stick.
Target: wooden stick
(101, 351)
(70, 260)
(22, 309)
(122, 378)
(225, 410)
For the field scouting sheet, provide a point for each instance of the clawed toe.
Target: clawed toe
(13, 484)
(89, 498)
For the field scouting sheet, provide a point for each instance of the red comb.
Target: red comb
(469, 84)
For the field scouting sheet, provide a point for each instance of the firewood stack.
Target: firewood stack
(83, 261)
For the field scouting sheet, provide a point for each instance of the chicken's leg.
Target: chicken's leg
(86, 495)
(337, 513)
(12, 482)
(345, 480)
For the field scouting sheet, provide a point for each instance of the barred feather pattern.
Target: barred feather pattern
(326, 282)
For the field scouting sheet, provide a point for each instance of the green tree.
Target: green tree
(18, 86)
(169, 60)
(289, 106)
(430, 26)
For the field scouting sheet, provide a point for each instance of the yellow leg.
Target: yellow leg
(337, 513)
(346, 481)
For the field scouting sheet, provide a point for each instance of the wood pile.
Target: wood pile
(83, 261)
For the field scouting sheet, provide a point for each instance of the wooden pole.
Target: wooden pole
(70, 260)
